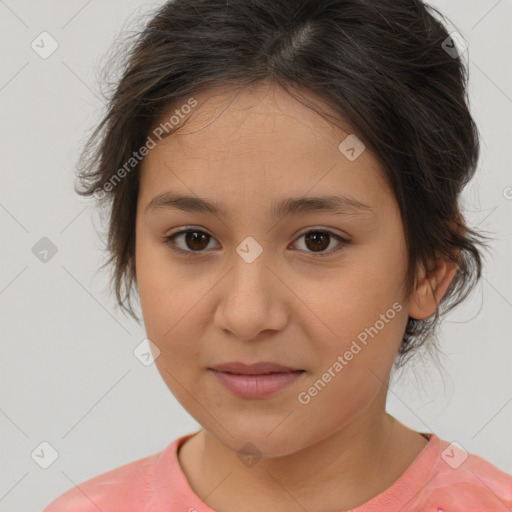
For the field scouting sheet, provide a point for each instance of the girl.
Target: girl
(283, 179)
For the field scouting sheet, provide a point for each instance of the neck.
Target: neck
(341, 471)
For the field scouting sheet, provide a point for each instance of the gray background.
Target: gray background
(68, 374)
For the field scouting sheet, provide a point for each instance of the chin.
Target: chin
(264, 440)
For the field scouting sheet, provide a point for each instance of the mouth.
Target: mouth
(255, 381)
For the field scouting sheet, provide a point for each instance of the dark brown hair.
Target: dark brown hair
(382, 66)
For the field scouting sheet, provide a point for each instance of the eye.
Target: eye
(319, 239)
(194, 238)
(195, 241)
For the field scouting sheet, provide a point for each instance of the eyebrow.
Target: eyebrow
(336, 204)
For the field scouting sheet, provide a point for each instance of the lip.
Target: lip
(253, 369)
(256, 381)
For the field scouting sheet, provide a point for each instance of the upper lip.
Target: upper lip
(253, 369)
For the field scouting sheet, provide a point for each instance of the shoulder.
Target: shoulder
(123, 488)
(464, 482)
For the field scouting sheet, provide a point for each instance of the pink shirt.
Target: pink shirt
(442, 478)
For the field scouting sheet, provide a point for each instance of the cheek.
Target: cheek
(171, 307)
(162, 289)
(365, 319)
(169, 300)
(356, 297)
(354, 366)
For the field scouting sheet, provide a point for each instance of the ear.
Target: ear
(431, 288)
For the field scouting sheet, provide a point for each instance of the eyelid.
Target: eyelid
(342, 240)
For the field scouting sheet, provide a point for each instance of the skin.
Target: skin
(289, 306)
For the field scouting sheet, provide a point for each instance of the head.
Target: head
(248, 108)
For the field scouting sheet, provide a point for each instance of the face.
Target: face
(252, 283)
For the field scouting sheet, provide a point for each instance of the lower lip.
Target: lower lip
(256, 386)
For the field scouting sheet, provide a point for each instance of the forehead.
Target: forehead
(254, 114)
(263, 139)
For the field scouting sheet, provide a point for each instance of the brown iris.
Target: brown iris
(320, 240)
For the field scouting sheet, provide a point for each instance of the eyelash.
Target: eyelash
(169, 240)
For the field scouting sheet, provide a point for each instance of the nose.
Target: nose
(253, 300)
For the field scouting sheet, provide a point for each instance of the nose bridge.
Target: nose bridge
(250, 265)
(250, 303)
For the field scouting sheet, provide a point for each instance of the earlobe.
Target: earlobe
(431, 288)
